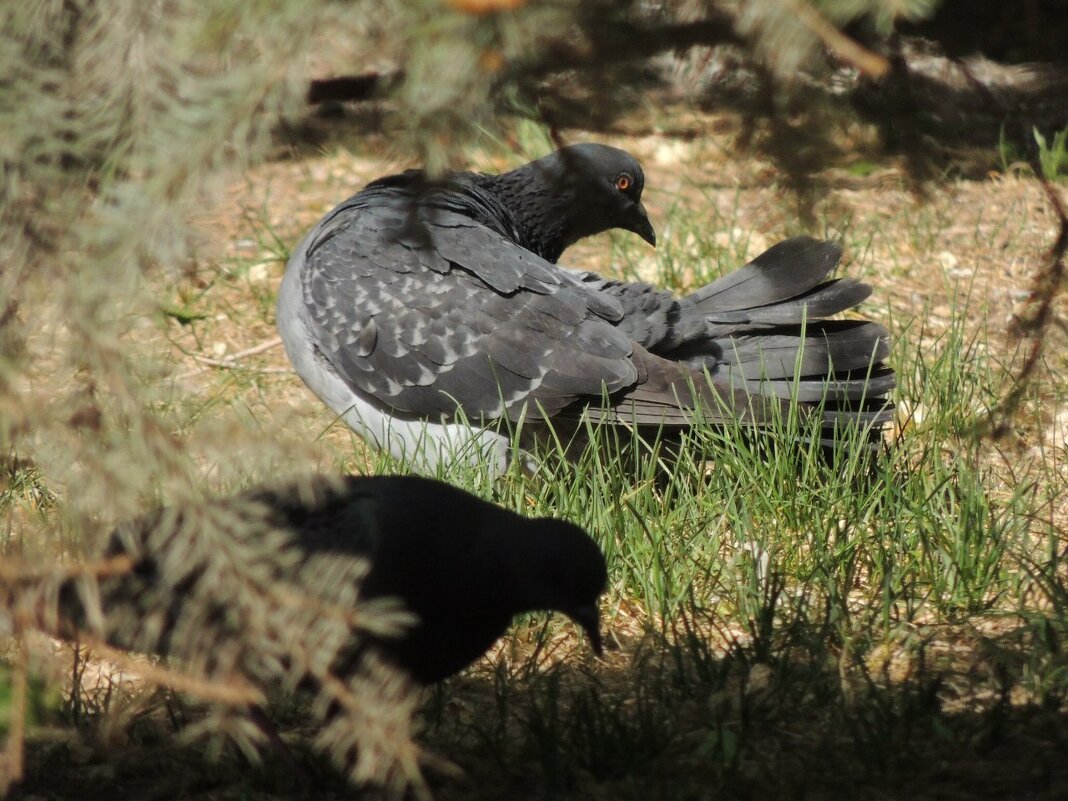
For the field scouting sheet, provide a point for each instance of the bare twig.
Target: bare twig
(1037, 315)
(871, 64)
(234, 360)
(231, 691)
(13, 569)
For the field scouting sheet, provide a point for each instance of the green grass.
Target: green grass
(1051, 152)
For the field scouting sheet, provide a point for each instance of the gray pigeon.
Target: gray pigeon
(433, 318)
(462, 566)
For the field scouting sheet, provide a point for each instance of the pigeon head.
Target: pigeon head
(558, 566)
(603, 186)
(578, 191)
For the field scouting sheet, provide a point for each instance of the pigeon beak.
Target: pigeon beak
(589, 617)
(640, 225)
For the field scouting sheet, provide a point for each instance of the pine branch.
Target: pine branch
(234, 691)
(871, 64)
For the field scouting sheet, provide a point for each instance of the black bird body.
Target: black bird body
(462, 566)
(432, 317)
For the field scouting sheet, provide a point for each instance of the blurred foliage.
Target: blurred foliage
(116, 119)
(1053, 154)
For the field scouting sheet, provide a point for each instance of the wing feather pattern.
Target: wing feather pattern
(495, 329)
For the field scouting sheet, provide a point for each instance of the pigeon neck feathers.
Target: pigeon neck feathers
(539, 209)
(571, 194)
(544, 206)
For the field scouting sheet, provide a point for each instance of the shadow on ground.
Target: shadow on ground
(661, 717)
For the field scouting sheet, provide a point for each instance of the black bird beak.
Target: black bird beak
(589, 617)
(640, 225)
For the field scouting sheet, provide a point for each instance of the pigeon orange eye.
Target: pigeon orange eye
(623, 182)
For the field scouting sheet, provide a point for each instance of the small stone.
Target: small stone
(760, 676)
(947, 260)
(258, 272)
(671, 153)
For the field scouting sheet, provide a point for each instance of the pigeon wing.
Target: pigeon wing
(428, 311)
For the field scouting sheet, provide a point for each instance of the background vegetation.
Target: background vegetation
(780, 626)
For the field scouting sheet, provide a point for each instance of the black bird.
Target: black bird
(462, 566)
(432, 317)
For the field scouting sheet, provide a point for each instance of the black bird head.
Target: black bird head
(557, 566)
(466, 568)
(578, 191)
